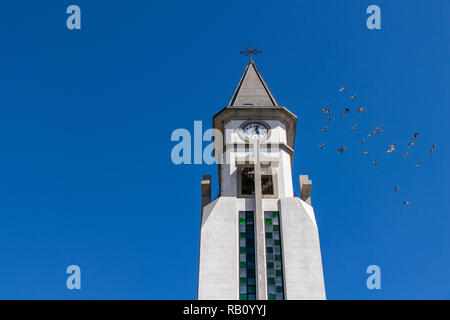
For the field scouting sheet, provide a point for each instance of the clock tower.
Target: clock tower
(258, 241)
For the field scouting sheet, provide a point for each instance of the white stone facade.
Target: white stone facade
(219, 244)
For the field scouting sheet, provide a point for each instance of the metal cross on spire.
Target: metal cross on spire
(251, 51)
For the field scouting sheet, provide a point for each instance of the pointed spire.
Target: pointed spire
(252, 90)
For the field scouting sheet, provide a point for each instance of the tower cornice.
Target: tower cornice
(261, 113)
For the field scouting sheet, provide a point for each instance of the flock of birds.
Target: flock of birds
(391, 148)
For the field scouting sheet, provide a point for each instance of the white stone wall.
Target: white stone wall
(219, 246)
(277, 135)
(285, 176)
(219, 251)
(302, 259)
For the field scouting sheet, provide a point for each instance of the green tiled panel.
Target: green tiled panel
(247, 278)
(274, 264)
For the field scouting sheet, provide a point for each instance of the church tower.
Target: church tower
(258, 241)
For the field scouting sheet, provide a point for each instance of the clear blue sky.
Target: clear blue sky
(86, 118)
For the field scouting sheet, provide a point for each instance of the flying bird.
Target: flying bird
(363, 141)
(361, 110)
(391, 148)
(406, 154)
(344, 88)
(341, 149)
(415, 135)
(405, 203)
(353, 97)
(324, 129)
(375, 162)
(320, 146)
(371, 134)
(354, 127)
(326, 111)
(365, 153)
(347, 110)
(432, 148)
(418, 165)
(410, 144)
(397, 189)
(328, 120)
(378, 129)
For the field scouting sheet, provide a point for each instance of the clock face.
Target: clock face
(255, 131)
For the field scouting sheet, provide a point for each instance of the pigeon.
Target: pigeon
(353, 97)
(415, 135)
(418, 165)
(405, 203)
(391, 148)
(432, 148)
(347, 110)
(410, 144)
(320, 146)
(341, 149)
(363, 141)
(324, 129)
(375, 162)
(361, 110)
(344, 88)
(371, 134)
(354, 127)
(406, 154)
(397, 189)
(378, 129)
